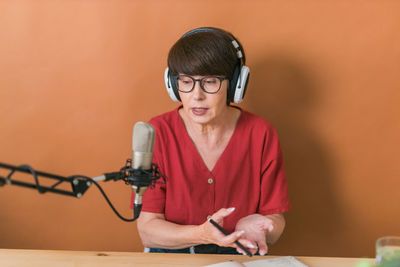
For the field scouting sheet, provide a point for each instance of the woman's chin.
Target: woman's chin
(199, 119)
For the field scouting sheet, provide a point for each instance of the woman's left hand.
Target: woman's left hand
(256, 228)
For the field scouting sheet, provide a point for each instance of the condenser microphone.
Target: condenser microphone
(139, 172)
(142, 155)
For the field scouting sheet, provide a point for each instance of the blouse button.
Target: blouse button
(210, 180)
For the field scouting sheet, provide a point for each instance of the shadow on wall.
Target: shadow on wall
(284, 92)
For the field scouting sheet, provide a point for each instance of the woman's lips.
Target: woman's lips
(199, 111)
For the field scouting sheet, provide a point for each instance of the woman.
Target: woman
(220, 161)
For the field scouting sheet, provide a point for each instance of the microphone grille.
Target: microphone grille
(143, 137)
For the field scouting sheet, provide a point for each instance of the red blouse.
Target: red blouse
(249, 174)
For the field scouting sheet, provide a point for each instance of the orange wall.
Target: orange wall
(76, 75)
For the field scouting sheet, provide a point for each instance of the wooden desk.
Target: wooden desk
(61, 258)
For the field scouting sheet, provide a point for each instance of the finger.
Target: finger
(268, 226)
(262, 248)
(220, 214)
(248, 244)
(224, 212)
(251, 250)
(240, 251)
(230, 239)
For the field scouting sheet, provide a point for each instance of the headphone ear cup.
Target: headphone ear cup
(233, 84)
(170, 85)
(241, 84)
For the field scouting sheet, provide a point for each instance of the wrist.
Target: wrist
(201, 233)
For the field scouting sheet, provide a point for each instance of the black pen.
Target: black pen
(222, 230)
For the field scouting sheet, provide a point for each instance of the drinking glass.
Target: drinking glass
(387, 248)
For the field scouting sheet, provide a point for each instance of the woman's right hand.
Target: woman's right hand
(211, 235)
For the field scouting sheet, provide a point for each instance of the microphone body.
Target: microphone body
(142, 155)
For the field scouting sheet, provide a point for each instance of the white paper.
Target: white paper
(288, 261)
(227, 264)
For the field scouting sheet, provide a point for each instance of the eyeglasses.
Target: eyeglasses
(209, 84)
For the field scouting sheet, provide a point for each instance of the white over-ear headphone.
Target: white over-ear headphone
(168, 85)
(241, 84)
(238, 83)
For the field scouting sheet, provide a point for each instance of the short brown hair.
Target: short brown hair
(204, 53)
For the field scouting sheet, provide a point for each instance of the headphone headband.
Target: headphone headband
(235, 43)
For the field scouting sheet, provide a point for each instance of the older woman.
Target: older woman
(220, 161)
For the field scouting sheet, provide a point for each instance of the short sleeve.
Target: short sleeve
(274, 196)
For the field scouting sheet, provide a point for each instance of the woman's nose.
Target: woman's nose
(198, 92)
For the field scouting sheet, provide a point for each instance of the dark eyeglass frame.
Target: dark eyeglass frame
(221, 79)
